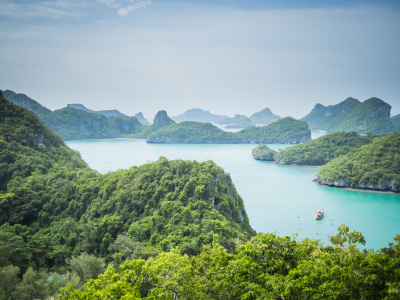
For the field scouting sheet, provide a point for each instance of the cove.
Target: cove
(280, 199)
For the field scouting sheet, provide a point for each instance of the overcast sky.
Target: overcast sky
(228, 57)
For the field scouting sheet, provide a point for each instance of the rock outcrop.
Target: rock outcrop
(263, 152)
(162, 118)
(383, 186)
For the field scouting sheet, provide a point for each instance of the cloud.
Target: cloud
(110, 3)
(63, 3)
(12, 10)
(123, 12)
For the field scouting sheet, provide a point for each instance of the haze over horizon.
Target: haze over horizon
(228, 57)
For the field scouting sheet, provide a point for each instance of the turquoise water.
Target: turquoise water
(278, 199)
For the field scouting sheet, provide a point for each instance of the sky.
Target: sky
(227, 57)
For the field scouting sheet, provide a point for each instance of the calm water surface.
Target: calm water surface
(277, 198)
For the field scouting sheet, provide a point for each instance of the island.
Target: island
(263, 152)
(374, 166)
(283, 131)
(198, 115)
(238, 121)
(372, 115)
(163, 230)
(264, 116)
(73, 124)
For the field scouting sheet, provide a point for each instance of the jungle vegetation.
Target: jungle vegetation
(322, 150)
(265, 267)
(263, 152)
(54, 208)
(375, 163)
(164, 230)
(372, 115)
(286, 130)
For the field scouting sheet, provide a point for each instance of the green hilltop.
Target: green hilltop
(264, 116)
(322, 150)
(106, 113)
(73, 124)
(53, 206)
(372, 115)
(373, 166)
(396, 119)
(167, 230)
(287, 130)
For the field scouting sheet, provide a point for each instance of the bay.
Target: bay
(280, 199)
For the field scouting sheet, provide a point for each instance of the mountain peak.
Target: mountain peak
(1, 94)
(162, 118)
(141, 119)
(264, 116)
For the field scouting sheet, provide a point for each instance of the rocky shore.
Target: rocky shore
(383, 186)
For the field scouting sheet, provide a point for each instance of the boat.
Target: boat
(319, 215)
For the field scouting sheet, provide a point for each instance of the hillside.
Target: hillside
(53, 206)
(106, 113)
(396, 120)
(141, 119)
(74, 124)
(198, 115)
(322, 150)
(287, 130)
(242, 123)
(264, 117)
(237, 119)
(263, 152)
(372, 115)
(373, 166)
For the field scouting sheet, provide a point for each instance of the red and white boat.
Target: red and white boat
(319, 215)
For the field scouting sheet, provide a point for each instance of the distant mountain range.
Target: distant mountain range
(72, 124)
(106, 113)
(239, 121)
(198, 115)
(372, 115)
(264, 117)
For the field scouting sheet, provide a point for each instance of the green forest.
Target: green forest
(164, 230)
(375, 165)
(286, 130)
(263, 152)
(75, 124)
(322, 150)
(372, 115)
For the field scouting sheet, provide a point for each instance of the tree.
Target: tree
(86, 266)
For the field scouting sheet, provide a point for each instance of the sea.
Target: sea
(281, 199)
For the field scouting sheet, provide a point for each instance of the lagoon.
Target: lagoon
(280, 199)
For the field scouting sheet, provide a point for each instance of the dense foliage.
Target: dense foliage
(264, 117)
(106, 113)
(286, 130)
(375, 165)
(53, 207)
(396, 119)
(373, 115)
(322, 150)
(263, 152)
(266, 267)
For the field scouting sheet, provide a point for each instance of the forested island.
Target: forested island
(163, 230)
(372, 115)
(315, 152)
(283, 131)
(373, 166)
(72, 124)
